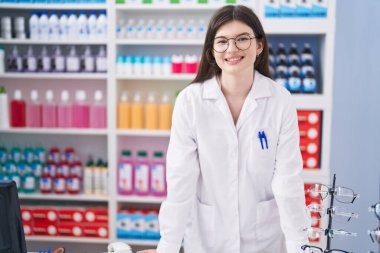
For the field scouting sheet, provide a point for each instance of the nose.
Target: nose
(232, 46)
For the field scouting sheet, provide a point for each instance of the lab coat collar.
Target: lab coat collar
(260, 88)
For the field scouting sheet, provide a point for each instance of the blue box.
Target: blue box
(319, 8)
(123, 225)
(152, 227)
(288, 9)
(272, 8)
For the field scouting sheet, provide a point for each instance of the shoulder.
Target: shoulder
(192, 92)
(279, 94)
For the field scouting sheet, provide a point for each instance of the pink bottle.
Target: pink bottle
(81, 110)
(177, 62)
(126, 174)
(142, 174)
(98, 111)
(18, 109)
(158, 175)
(34, 111)
(49, 111)
(65, 111)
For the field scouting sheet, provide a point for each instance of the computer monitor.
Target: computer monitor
(12, 239)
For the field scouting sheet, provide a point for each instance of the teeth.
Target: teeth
(233, 59)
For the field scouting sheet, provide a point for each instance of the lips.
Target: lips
(234, 59)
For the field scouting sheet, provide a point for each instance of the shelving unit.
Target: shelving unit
(113, 139)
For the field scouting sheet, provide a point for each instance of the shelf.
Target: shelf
(68, 197)
(179, 77)
(45, 6)
(51, 42)
(34, 238)
(315, 176)
(172, 7)
(137, 242)
(294, 26)
(79, 76)
(140, 199)
(158, 42)
(62, 131)
(144, 133)
(310, 101)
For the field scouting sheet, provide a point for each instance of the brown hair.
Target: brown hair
(208, 67)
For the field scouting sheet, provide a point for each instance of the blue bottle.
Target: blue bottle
(309, 84)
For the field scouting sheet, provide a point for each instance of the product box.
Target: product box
(303, 8)
(28, 228)
(152, 227)
(70, 229)
(96, 215)
(272, 8)
(71, 215)
(124, 224)
(26, 214)
(45, 214)
(319, 8)
(95, 230)
(288, 8)
(44, 228)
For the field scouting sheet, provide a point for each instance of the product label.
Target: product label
(32, 64)
(59, 185)
(45, 184)
(158, 178)
(142, 178)
(309, 84)
(59, 63)
(72, 64)
(46, 64)
(89, 64)
(73, 184)
(29, 183)
(101, 64)
(125, 177)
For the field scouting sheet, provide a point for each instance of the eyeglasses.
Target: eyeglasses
(342, 194)
(340, 214)
(315, 233)
(375, 233)
(313, 249)
(376, 209)
(242, 42)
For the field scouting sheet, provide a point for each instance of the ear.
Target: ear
(259, 47)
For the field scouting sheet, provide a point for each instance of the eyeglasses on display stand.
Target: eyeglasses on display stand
(375, 233)
(340, 214)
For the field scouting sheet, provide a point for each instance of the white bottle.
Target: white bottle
(53, 26)
(88, 60)
(4, 109)
(20, 28)
(45, 60)
(149, 29)
(44, 26)
(59, 63)
(170, 29)
(34, 26)
(160, 29)
(72, 26)
(121, 29)
(101, 26)
(191, 30)
(2, 60)
(31, 60)
(72, 61)
(131, 29)
(15, 60)
(120, 65)
(91, 22)
(202, 28)
(63, 26)
(157, 66)
(6, 28)
(140, 29)
(82, 26)
(101, 60)
(180, 29)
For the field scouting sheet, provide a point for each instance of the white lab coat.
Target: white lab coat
(228, 193)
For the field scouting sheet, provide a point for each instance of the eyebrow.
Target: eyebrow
(245, 33)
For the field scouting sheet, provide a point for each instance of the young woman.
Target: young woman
(233, 162)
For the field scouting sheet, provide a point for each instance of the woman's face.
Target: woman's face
(234, 60)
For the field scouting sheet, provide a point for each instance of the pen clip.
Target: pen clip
(265, 139)
(260, 136)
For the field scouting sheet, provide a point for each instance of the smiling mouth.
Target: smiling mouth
(234, 59)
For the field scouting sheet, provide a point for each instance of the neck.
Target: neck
(236, 85)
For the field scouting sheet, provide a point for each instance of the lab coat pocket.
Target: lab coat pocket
(263, 149)
(206, 219)
(267, 220)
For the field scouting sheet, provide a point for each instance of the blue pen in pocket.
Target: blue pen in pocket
(263, 138)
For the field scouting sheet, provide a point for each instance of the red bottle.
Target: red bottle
(73, 184)
(46, 182)
(18, 108)
(59, 182)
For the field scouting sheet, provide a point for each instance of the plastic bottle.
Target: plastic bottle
(138, 66)
(158, 175)
(49, 111)
(151, 112)
(180, 29)
(81, 110)
(88, 60)
(293, 54)
(20, 28)
(45, 60)
(4, 109)
(309, 84)
(282, 66)
(46, 182)
(92, 29)
(147, 66)
(131, 29)
(149, 29)
(65, 111)
(126, 174)
(59, 183)
(294, 83)
(101, 60)
(14, 61)
(191, 64)
(31, 60)
(202, 28)
(16, 154)
(73, 184)
(272, 60)
(294, 66)
(44, 26)
(128, 65)
(82, 26)
(159, 29)
(37, 168)
(18, 110)
(104, 178)
(2, 60)
(6, 28)
(167, 66)
(28, 180)
(34, 26)
(140, 29)
(28, 155)
(59, 61)
(63, 26)
(98, 178)
(307, 54)
(101, 25)
(34, 111)
(72, 61)
(142, 174)
(177, 62)
(120, 65)
(88, 178)
(98, 111)
(157, 67)
(15, 176)
(124, 112)
(137, 110)
(54, 26)
(191, 30)
(165, 112)
(121, 29)
(72, 26)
